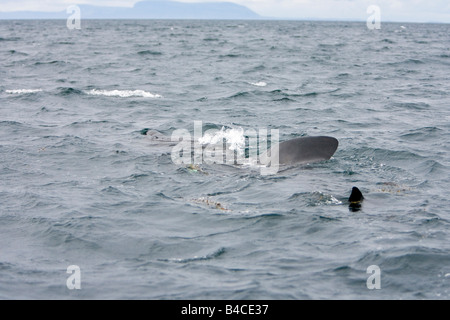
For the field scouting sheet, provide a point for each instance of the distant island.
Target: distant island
(157, 9)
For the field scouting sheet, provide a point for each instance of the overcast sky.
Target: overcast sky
(391, 10)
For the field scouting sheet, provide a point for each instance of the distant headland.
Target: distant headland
(157, 9)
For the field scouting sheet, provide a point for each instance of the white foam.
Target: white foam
(123, 93)
(259, 84)
(234, 138)
(22, 91)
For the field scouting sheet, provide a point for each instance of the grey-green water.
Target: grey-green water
(80, 185)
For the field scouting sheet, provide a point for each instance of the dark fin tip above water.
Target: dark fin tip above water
(355, 200)
(356, 195)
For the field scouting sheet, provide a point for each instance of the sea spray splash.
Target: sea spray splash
(227, 146)
(234, 138)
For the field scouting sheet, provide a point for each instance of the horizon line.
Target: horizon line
(261, 18)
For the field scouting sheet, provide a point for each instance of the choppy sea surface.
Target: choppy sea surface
(80, 184)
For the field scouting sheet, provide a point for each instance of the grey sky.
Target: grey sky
(391, 10)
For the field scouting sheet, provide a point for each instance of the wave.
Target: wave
(7, 123)
(422, 134)
(211, 39)
(9, 39)
(406, 62)
(53, 62)
(108, 93)
(239, 94)
(18, 53)
(150, 52)
(68, 91)
(259, 84)
(415, 259)
(209, 256)
(316, 198)
(411, 105)
(230, 55)
(23, 91)
(123, 93)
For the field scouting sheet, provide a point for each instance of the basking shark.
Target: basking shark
(290, 152)
(295, 151)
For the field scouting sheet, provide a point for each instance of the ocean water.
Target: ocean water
(81, 184)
